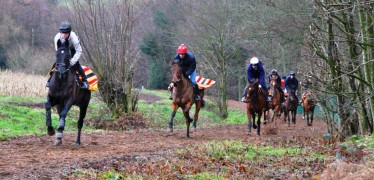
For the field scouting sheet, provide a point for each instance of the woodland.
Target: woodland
(129, 44)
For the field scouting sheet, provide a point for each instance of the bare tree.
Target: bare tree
(106, 29)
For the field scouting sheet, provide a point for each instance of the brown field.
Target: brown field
(22, 84)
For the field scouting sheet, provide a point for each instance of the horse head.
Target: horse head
(62, 58)
(273, 84)
(292, 94)
(253, 87)
(176, 72)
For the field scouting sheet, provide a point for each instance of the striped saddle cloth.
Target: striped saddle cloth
(91, 78)
(204, 82)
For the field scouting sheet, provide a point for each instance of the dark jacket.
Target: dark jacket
(256, 74)
(188, 63)
(291, 83)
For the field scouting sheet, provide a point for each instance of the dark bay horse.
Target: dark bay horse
(309, 103)
(290, 105)
(183, 97)
(64, 92)
(255, 101)
(275, 103)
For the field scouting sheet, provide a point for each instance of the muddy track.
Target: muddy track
(36, 157)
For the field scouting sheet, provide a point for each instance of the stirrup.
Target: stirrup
(243, 99)
(197, 98)
(84, 85)
(47, 84)
(171, 97)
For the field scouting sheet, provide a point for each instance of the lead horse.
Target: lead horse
(255, 100)
(64, 92)
(183, 97)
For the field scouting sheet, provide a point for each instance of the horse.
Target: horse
(275, 103)
(290, 105)
(309, 103)
(255, 101)
(64, 92)
(183, 97)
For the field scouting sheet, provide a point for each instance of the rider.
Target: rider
(188, 65)
(66, 34)
(274, 72)
(256, 70)
(291, 83)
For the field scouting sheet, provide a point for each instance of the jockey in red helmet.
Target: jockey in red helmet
(187, 63)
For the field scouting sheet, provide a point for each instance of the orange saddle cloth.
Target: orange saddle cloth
(204, 82)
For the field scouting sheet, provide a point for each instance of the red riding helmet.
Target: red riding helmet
(182, 49)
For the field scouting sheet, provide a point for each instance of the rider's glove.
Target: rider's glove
(259, 86)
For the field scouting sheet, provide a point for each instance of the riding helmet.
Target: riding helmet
(292, 73)
(182, 49)
(65, 27)
(254, 60)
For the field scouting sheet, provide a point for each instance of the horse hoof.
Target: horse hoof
(254, 126)
(265, 122)
(58, 142)
(170, 130)
(51, 131)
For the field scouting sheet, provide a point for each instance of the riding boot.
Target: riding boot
(281, 95)
(81, 72)
(244, 94)
(196, 92)
(50, 75)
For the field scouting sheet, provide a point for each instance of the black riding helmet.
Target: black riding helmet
(65, 27)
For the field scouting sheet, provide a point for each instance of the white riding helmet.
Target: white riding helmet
(254, 60)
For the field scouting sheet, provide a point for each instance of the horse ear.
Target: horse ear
(59, 44)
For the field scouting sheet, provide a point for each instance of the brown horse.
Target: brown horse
(275, 103)
(183, 97)
(290, 105)
(309, 103)
(255, 100)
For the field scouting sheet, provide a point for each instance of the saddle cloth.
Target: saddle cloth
(91, 78)
(204, 82)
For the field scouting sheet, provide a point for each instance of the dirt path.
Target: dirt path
(35, 157)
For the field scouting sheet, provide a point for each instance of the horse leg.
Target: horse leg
(48, 117)
(259, 123)
(188, 122)
(170, 128)
(82, 115)
(196, 116)
(307, 117)
(254, 120)
(249, 121)
(265, 120)
(293, 113)
(304, 113)
(63, 112)
(288, 117)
